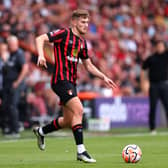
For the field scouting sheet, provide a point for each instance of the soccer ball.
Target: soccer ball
(131, 153)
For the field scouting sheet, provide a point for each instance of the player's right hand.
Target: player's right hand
(41, 62)
(110, 83)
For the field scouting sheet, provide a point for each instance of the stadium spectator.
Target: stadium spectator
(157, 64)
(14, 72)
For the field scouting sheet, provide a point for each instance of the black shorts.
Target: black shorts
(65, 90)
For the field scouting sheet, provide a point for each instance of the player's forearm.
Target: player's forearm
(40, 44)
(96, 72)
(92, 69)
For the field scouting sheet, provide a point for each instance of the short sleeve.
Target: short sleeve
(56, 36)
(84, 51)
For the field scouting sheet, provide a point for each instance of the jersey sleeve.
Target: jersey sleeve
(84, 51)
(56, 36)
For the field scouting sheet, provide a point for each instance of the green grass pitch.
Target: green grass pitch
(105, 148)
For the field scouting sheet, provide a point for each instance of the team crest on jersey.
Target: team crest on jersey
(70, 92)
(75, 52)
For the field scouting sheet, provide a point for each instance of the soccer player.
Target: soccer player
(69, 47)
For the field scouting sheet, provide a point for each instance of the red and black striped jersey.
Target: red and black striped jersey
(68, 48)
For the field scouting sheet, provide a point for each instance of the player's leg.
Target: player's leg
(65, 120)
(60, 122)
(72, 116)
(75, 106)
(61, 89)
(56, 124)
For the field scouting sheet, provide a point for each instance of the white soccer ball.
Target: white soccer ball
(131, 153)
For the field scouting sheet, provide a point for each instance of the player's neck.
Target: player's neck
(75, 31)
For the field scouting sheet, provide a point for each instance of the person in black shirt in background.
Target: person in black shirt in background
(157, 65)
(14, 72)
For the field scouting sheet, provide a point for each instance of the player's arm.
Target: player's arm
(40, 45)
(55, 36)
(94, 71)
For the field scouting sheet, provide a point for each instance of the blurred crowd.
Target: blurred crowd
(121, 35)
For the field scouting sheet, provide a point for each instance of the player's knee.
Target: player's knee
(79, 111)
(77, 114)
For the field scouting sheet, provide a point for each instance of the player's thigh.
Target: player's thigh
(75, 105)
(65, 90)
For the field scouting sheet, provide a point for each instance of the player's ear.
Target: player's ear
(74, 21)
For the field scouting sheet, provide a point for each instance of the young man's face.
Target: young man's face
(82, 25)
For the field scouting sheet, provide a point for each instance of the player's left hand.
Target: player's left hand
(110, 83)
